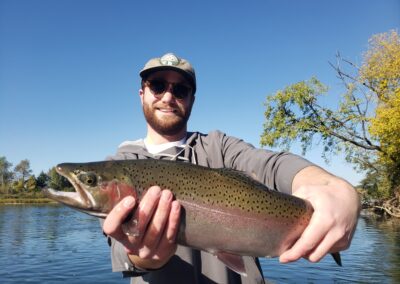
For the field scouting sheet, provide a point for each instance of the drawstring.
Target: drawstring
(178, 156)
(173, 157)
(191, 151)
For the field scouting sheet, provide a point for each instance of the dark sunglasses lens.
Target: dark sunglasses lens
(157, 87)
(181, 91)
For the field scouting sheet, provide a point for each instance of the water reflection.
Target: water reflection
(372, 258)
(54, 244)
(389, 233)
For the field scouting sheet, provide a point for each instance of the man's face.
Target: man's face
(164, 113)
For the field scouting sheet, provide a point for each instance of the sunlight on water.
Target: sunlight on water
(55, 244)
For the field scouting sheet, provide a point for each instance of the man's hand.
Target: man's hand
(336, 209)
(157, 224)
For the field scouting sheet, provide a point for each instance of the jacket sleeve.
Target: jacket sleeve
(275, 169)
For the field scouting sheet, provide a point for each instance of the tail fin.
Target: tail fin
(337, 258)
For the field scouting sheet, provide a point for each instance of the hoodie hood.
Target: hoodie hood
(137, 150)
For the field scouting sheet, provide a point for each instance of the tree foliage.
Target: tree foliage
(30, 183)
(42, 180)
(381, 71)
(6, 174)
(23, 169)
(294, 114)
(381, 67)
(19, 179)
(57, 181)
(364, 125)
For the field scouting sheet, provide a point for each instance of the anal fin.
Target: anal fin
(233, 261)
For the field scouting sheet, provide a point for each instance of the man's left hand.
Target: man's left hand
(336, 209)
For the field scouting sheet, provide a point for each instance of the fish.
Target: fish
(224, 211)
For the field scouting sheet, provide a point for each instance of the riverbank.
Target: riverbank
(8, 201)
(390, 207)
(25, 198)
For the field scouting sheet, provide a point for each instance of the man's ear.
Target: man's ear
(141, 95)
(193, 99)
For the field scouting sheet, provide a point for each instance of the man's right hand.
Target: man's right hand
(157, 225)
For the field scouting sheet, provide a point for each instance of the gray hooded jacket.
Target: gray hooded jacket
(214, 150)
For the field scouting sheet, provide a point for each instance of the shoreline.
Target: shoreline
(18, 201)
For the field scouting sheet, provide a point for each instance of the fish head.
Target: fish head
(99, 186)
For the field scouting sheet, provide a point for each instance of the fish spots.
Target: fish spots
(225, 189)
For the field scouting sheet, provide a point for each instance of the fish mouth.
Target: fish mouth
(81, 199)
(71, 199)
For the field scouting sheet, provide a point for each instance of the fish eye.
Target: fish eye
(88, 179)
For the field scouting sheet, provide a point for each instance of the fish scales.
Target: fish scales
(217, 203)
(221, 187)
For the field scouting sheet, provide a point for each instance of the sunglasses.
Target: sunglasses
(158, 87)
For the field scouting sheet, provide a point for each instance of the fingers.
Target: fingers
(156, 227)
(311, 238)
(173, 222)
(152, 230)
(147, 207)
(112, 224)
(167, 244)
(331, 227)
(315, 249)
(159, 241)
(323, 248)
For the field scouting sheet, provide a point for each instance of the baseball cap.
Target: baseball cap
(170, 61)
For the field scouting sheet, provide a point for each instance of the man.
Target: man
(167, 95)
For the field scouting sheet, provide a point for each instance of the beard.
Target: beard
(169, 125)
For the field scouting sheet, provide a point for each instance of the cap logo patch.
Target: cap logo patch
(169, 59)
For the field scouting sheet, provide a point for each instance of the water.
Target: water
(374, 257)
(55, 244)
(52, 244)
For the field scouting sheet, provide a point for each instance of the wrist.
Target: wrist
(314, 176)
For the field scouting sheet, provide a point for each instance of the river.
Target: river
(55, 244)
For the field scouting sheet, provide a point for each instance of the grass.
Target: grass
(24, 198)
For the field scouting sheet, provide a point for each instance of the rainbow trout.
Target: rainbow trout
(225, 212)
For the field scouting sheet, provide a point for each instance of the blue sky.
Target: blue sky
(69, 68)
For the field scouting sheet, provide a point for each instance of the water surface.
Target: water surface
(374, 257)
(55, 244)
(52, 244)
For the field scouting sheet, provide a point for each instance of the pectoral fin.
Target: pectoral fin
(233, 261)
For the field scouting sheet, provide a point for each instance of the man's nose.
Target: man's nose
(168, 94)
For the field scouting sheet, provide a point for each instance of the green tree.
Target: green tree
(23, 169)
(294, 114)
(57, 181)
(42, 180)
(364, 126)
(18, 186)
(6, 175)
(30, 183)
